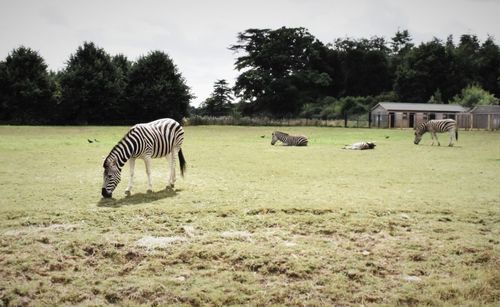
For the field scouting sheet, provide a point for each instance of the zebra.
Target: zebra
(433, 126)
(289, 140)
(157, 139)
(361, 146)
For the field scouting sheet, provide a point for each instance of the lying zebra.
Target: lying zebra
(289, 140)
(434, 126)
(361, 146)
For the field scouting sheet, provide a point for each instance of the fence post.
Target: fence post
(345, 120)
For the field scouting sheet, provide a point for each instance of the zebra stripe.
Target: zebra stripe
(289, 140)
(361, 146)
(157, 139)
(437, 126)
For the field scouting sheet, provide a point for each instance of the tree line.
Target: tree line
(285, 72)
(93, 88)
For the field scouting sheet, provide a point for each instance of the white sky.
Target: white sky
(197, 34)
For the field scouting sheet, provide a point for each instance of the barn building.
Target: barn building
(409, 115)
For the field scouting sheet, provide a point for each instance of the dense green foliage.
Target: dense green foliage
(93, 88)
(284, 73)
(287, 72)
(90, 86)
(474, 95)
(26, 89)
(156, 89)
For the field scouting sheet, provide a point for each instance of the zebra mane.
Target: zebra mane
(114, 153)
(279, 132)
(421, 128)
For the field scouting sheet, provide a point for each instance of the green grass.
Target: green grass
(252, 223)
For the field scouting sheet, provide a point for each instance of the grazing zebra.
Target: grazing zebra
(160, 138)
(434, 126)
(361, 146)
(289, 140)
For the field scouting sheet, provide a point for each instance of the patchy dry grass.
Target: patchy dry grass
(251, 223)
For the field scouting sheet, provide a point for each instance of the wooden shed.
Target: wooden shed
(481, 117)
(409, 115)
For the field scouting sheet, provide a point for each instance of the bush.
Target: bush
(474, 95)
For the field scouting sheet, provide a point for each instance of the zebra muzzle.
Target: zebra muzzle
(105, 193)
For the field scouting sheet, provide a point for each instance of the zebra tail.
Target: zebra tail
(182, 162)
(456, 134)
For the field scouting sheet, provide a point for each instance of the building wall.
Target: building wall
(380, 118)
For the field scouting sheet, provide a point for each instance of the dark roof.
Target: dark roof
(420, 107)
(486, 110)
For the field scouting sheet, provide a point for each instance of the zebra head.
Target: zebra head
(419, 131)
(418, 137)
(278, 136)
(112, 176)
(274, 138)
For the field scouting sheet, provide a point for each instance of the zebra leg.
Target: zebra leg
(171, 181)
(147, 162)
(452, 136)
(131, 181)
(435, 135)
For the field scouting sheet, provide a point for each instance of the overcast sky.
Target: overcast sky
(197, 34)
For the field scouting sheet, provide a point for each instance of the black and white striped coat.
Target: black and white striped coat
(157, 139)
(289, 140)
(437, 126)
(361, 146)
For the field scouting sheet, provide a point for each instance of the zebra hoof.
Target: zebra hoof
(127, 193)
(149, 191)
(170, 187)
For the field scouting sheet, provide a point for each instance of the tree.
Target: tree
(90, 87)
(488, 66)
(424, 70)
(123, 66)
(220, 102)
(156, 89)
(474, 95)
(401, 43)
(26, 90)
(278, 76)
(364, 66)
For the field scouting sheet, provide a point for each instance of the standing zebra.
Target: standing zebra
(157, 139)
(434, 126)
(289, 140)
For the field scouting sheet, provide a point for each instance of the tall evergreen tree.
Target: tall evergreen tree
(220, 102)
(26, 90)
(156, 89)
(90, 87)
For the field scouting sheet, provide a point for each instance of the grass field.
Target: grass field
(252, 223)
